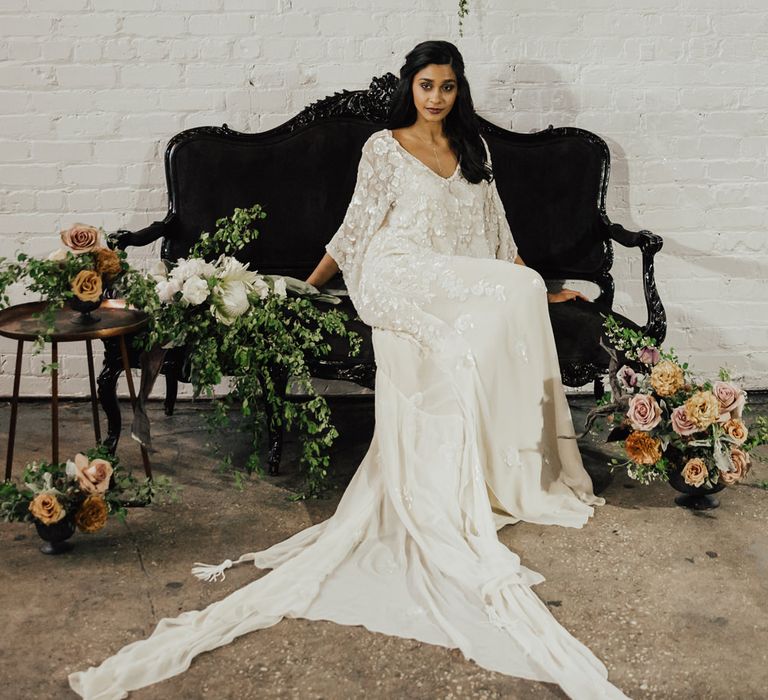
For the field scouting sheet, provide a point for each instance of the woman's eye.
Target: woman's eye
(425, 86)
(448, 88)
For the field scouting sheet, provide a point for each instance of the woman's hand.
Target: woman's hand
(564, 295)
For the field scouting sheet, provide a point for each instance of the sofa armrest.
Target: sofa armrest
(649, 244)
(645, 240)
(122, 239)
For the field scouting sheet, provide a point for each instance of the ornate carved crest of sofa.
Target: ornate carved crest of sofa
(553, 185)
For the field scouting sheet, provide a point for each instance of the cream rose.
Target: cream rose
(81, 238)
(667, 378)
(681, 423)
(46, 508)
(87, 285)
(695, 472)
(702, 408)
(93, 476)
(643, 413)
(736, 430)
(731, 399)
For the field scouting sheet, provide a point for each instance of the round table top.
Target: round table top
(21, 322)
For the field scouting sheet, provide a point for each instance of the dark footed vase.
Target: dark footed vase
(85, 309)
(56, 535)
(693, 497)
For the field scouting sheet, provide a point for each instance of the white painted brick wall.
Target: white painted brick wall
(91, 90)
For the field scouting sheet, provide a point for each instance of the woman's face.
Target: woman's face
(434, 92)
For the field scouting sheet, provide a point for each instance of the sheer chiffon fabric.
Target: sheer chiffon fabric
(471, 434)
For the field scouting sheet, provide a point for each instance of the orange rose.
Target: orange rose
(80, 238)
(93, 476)
(642, 448)
(92, 515)
(740, 462)
(107, 262)
(695, 472)
(46, 508)
(736, 430)
(87, 285)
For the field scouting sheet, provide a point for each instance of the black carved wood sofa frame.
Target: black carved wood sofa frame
(553, 184)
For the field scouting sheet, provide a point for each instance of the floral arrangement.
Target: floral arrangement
(77, 272)
(671, 421)
(85, 490)
(257, 330)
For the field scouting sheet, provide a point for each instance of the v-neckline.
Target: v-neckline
(421, 162)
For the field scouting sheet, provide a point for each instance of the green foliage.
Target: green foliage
(462, 12)
(274, 339)
(629, 341)
(124, 489)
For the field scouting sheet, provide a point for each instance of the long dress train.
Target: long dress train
(471, 434)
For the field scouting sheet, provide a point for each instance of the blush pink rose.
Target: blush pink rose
(92, 475)
(731, 399)
(681, 422)
(648, 355)
(643, 413)
(81, 238)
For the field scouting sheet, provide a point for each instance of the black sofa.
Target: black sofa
(553, 185)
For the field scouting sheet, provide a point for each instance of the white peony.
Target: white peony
(280, 288)
(194, 291)
(167, 289)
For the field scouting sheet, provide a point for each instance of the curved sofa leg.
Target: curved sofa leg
(171, 392)
(107, 383)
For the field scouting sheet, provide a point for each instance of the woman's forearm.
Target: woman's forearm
(325, 269)
(519, 261)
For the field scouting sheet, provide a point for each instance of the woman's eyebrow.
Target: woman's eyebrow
(430, 80)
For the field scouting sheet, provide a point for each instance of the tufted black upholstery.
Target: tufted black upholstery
(303, 173)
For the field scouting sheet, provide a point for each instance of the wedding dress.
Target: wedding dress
(471, 434)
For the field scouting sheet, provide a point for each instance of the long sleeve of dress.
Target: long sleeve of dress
(366, 213)
(496, 220)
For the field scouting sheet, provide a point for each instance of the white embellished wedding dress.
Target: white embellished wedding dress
(470, 414)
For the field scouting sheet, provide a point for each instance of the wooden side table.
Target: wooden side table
(116, 321)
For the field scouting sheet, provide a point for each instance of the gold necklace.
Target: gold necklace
(434, 150)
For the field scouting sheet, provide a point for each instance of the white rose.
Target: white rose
(166, 290)
(71, 469)
(56, 255)
(194, 267)
(231, 301)
(194, 291)
(280, 288)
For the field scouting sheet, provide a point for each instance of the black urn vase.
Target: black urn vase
(693, 497)
(85, 309)
(55, 536)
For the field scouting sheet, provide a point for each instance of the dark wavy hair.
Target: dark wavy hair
(460, 126)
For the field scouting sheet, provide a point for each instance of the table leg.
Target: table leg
(14, 410)
(55, 402)
(92, 381)
(132, 392)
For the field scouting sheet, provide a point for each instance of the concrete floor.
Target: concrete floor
(674, 602)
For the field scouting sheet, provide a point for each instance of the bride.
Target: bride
(472, 425)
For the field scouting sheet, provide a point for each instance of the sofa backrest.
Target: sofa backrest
(303, 174)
